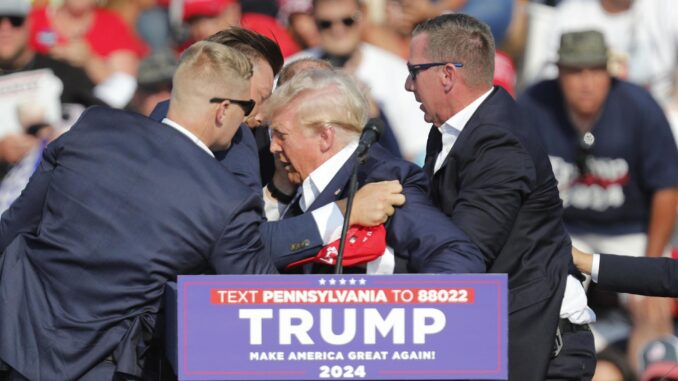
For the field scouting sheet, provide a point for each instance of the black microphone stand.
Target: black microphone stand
(352, 188)
(369, 136)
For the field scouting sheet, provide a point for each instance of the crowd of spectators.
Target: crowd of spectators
(59, 57)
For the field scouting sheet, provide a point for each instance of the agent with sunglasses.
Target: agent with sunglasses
(491, 177)
(120, 205)
(267, 60)
(611, 149)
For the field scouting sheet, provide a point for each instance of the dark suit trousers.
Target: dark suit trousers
(104, 371)
(532, 338)
(576, 361)
(12, 376)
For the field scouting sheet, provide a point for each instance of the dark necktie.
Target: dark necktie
(433, 148)
(294, 209)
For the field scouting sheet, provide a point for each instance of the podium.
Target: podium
(352, 326)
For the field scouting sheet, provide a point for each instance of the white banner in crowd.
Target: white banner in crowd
(36, 91)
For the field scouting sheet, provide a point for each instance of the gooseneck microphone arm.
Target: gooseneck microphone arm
(371, 133)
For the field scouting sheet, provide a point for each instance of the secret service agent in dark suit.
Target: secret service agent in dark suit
(120, 205)
(241, 158)
(495, 182)
(242, 146)
(634, 275)
(316, 120)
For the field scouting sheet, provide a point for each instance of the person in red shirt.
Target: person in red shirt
(87, 36)
(206, 17)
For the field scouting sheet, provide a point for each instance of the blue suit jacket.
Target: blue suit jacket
(423, 238)
(288, 241)
(498, 186)
(120, 205)
(639, 275)
(241, 159)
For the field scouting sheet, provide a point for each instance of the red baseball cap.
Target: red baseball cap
(206, 8)
(363, 245)
(269, 27)
(659, 359)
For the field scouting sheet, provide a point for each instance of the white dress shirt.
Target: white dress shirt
(316, 183)
(320, 178)
(328, 218)
(188, 134)
(574, 305)
(595, 267)
(273, 208)
(453, 127)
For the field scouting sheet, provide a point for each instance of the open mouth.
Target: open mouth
(287, 166)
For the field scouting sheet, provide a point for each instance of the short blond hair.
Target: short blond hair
(322, 97)
(207, 69)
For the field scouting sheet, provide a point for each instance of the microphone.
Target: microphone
(371, 133)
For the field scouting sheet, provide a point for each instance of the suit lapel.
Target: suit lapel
(445, 182)
(448, 161)
(336, 189)
(435, 140)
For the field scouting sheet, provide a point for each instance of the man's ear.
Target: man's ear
(449, 77)
(220, 113)
(327, 137)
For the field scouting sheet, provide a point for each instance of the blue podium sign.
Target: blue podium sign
(308, 327)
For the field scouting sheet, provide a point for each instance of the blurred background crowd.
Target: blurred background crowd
(58, 57)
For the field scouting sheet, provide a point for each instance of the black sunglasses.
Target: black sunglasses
(247, 106)
(415, 69)
(327, 24)
(584, 152)
(16, 21)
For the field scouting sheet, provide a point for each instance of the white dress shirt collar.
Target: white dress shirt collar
(318, 180)
(451, 129)
(188, 134)
(329, 226)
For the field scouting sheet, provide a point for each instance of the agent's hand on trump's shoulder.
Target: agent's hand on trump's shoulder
(374, 203)
(583, 260)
